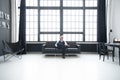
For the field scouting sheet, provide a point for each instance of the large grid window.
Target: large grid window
(75, 19)
(31, 25)
(50, 21)
(91, 3)
(73, 3)
(49, 37)
(31, 2)
(90, 25)
(49, 2)
(73, 37)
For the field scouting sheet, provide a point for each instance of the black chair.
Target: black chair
(14, 49)
(103, 51)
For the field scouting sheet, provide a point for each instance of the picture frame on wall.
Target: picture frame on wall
(0, 24)
(3, 24)
(6, 16)
(7, 25)
(1, 15)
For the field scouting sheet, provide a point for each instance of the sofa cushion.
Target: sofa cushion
(72, 44)
(50, 44)
(50, 48)
(72, 50)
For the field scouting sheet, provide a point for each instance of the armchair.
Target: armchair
(15, 49)
(103, 50)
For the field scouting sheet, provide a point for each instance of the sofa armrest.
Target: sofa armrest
(79, 47)
(43, 48)
(43, 45)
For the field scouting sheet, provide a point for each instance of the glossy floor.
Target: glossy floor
(36, 66)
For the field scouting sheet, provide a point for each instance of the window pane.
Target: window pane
(49, 37)
(73, 37)
(73, 20)
(50, 21)
(90, 25)
(73, 3)
(49, 2)
(31, 2)
(31, 25)
(91, 3)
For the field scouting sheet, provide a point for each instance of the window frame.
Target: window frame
(61, 8)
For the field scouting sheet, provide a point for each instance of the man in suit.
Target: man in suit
(61, 44)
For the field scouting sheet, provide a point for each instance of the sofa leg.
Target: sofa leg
(63, 55)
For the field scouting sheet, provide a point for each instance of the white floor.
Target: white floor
(35, 66)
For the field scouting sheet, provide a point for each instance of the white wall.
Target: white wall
(114, 19)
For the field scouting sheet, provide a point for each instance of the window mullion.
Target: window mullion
(38, 21)
(61, 16)
(84, 20)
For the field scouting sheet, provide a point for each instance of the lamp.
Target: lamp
(109, 34)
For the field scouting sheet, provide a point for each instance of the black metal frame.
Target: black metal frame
(14, 49)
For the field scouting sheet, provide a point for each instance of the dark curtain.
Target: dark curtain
(22, 26)
(101, 30)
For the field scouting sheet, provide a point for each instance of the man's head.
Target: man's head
(61, 37)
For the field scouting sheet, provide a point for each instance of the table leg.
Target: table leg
(113, 54)
(119, 55)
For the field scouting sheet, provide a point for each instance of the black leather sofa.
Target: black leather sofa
(49, 48)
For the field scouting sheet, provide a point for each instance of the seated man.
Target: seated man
(61, 44)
